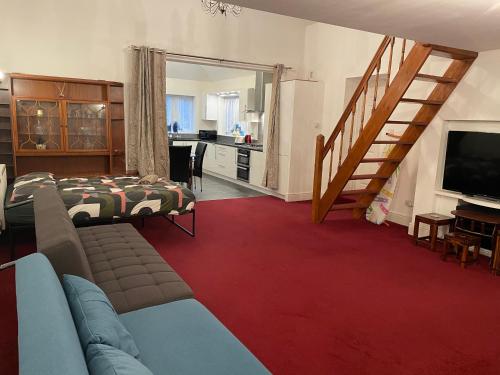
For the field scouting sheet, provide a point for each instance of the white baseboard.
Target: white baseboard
(399, 218)
(297, 197)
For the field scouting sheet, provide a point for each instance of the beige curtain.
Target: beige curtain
(271, 171)
(147, 140)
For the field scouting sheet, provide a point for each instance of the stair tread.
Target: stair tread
(422, 101)
(367, 176)
(433, 78)
(347, 206)
(387, 142)
(358, 192)
(416, 123)
(452, 53)
(378, 160)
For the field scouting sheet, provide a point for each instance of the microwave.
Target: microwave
(207, 135)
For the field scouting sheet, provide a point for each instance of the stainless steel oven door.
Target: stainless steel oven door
(243, 157)
(243, 173)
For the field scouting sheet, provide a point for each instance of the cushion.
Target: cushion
(128, 269)
(106, 360)
(56, 236)
(183, 337)
(95, 319)
(45, 325)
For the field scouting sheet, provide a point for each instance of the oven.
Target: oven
(243, 173)
(243, 157)
(243, 165)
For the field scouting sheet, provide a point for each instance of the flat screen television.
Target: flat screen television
(472, 164)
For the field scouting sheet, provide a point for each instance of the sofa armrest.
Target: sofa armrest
(56, 236)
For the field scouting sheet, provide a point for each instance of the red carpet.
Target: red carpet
(345, 297)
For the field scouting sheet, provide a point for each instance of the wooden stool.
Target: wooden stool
(434, 221)
(462, 241)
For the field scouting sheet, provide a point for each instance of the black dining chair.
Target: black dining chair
(180, 164)
(199, 155)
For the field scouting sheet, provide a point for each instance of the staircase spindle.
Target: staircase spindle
(341, 145)
(393, 39)
(403, 48)
(353, 115)
(365, 91)
(376, 86)
(331, 163)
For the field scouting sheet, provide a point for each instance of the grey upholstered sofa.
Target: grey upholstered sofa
(114, 256)
(175, 334)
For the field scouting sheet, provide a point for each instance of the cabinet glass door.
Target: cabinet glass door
(38, 125)
(87, 128)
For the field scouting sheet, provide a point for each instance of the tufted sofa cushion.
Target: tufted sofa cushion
(128, 269)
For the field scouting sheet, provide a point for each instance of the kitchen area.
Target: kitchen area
(226, 108)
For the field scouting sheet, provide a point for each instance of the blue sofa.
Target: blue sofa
(179, 337)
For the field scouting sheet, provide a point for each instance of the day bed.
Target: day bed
(96, 200)
(174, 333)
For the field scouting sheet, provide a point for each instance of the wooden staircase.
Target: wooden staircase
(347, 147)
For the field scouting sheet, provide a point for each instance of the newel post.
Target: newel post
(318, 175)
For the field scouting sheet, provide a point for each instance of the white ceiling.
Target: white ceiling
(197, 72)
(467, 24)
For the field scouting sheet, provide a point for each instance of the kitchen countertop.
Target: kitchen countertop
(254, 147)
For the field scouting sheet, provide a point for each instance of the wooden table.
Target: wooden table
(484, 225)
(434, 221)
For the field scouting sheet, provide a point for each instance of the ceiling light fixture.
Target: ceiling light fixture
(214, 7)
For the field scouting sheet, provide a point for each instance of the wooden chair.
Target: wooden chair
(462, 242)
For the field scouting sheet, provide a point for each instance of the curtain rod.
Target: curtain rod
(213, 59)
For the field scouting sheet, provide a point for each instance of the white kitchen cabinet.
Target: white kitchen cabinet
(209, 159)
(210, 107)
(257, 165)
(243, 103)
(225, 160)
(300, 122)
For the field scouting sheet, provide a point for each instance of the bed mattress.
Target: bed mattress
(104, 198)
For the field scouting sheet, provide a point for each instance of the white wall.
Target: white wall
(88, 39)
(475, 104)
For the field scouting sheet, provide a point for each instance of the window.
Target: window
(231, 113)
(180, 114)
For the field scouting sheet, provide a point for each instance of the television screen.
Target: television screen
(472, 164)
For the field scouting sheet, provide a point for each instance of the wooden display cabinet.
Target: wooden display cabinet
(67, 126)
(6, 153)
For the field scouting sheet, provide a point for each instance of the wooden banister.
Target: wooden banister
(357, 93)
